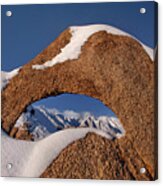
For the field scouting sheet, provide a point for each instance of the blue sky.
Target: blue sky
(31, 28)
(77, 103)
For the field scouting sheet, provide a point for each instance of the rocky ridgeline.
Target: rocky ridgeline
(38, 122)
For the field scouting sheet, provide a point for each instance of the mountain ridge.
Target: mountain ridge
(40, 122)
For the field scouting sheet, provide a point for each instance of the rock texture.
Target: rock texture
(21, 133)
(114, 69)
(104, 159)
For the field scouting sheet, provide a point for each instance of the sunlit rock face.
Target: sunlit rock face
(116, 69)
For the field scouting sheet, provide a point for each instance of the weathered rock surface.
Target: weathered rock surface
(114, 69)
(95, 157)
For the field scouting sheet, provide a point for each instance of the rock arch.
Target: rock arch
(112, 68)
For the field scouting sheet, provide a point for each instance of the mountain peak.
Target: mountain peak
(41, 121)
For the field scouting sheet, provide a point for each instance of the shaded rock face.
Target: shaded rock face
(114, 69)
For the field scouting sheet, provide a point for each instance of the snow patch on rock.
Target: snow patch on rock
(7, 76)
(80, 35)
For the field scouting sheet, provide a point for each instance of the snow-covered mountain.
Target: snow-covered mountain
(41, 121)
